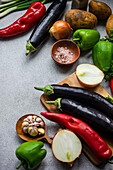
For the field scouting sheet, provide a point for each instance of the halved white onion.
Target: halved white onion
(66, 146)
(89, 75)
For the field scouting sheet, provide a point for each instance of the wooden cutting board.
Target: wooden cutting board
(72, 81)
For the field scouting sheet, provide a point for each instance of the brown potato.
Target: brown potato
(109, 25)
(100, 9)
(80, 19)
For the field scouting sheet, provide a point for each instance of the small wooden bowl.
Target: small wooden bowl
(73, 47)
(27, 137)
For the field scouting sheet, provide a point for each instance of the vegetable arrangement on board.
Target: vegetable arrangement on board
(85, 106)
(74, 103)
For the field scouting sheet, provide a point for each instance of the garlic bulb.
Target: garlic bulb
(33, 125)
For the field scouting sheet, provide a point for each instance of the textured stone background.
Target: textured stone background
(18, 75)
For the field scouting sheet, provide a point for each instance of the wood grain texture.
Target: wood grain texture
(72, 81)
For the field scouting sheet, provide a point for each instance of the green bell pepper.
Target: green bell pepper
(86, 38)
(30, 154)
(102, 54)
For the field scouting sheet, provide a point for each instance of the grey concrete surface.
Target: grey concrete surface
(18, 76)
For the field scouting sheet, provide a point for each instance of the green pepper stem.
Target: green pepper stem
(111, 162)
(76, 39)
(43, 1)
(19, 165)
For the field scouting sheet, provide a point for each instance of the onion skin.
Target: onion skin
(60, 29)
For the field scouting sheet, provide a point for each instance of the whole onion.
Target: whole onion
(60, 30)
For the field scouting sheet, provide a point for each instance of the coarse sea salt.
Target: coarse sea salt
(63, 55)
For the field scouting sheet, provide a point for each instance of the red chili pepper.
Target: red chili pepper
(94, 141)
(111, 85)
(24, 23)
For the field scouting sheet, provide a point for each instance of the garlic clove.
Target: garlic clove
(25, 124)
(38, 119)
(34, 117)
(25, 129)
(41, 124)
(33, 131)
(41, 131)
(25, 120)
(31, 124)
(36, 124)
(30, 118)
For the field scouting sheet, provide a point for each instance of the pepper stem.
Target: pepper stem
(76, 39)
(57, 103)
(43, 1)
(19, 165)
(47, 89)
(111, 162)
